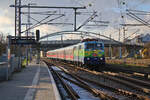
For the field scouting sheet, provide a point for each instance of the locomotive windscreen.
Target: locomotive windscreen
(94, 46)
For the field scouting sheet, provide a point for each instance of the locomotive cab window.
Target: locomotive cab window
(94, 46)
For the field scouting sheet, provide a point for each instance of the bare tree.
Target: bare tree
(2, 44)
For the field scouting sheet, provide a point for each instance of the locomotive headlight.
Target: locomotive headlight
(101, 58)
(88, 58)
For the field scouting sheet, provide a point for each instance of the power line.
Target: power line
(36, 25)
(137, 18)
(89, 19)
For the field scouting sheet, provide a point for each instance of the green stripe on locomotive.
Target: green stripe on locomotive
(88, 53)
(94, 53)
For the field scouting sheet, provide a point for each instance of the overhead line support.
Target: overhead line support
(32, 6)
(26, 6)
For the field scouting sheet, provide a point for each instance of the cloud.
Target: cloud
(6, 25)
(5, 21)
(47, 29)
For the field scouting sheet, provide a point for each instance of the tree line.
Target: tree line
(3, 44)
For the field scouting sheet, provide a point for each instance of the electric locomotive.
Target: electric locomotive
(94, 53)
(88, 52)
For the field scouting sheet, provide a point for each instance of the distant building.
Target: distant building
(146, 38)
(139, 39)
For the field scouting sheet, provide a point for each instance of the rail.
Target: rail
(69, 90)
(137, 62)
(133, 62)
(83, 83)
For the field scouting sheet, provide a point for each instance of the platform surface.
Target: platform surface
(33, 83)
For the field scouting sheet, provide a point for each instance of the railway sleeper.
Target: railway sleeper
(95, 91)
(136, 87)
(120, 91)
(70, 91)
(140, 82)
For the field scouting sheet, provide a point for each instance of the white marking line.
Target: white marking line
(56, 92)
(30, 94)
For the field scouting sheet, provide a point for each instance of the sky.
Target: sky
(107, 10)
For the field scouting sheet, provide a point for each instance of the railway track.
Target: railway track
(142, 81)
(115, 93)
(143, 73)
(73, 94)
(126, 77)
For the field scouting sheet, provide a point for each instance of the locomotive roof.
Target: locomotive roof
(75, 45)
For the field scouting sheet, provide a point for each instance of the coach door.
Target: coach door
(74, 54)
(79, 53)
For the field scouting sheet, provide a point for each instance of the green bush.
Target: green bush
(24, 63)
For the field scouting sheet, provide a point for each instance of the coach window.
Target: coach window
(80, 47)
(74, 48)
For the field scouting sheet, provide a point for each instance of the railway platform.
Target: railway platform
(34, 82)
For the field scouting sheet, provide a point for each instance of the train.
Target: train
(90, 52)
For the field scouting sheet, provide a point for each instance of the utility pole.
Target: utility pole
(119, 35)
(120, 51)
(17, 18)
(62, 40)
(29, 49)
(8, 56)
(75, 17)
(18, 28)
(110, 49)
(27, 46)
(124, 33)
(28, 32)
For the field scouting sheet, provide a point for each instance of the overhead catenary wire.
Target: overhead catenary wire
(137, 18)
(38, 24)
